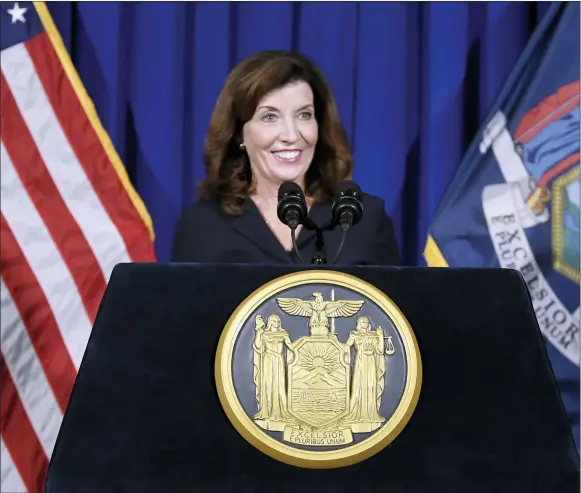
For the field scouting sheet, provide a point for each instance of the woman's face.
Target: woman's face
(363, 324)
(280, 138)
(274, 322)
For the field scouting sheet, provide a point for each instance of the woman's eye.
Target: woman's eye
(269, 117)
(305, 115)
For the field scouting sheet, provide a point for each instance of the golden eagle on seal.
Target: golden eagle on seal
(319, 310)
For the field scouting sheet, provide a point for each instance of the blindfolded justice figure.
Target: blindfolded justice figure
(276, 121)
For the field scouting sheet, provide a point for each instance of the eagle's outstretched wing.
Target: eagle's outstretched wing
(342, 308)
(296, 306)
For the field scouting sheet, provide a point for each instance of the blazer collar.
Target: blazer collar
(252, 225)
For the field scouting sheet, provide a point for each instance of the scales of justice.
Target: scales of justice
(319, 390)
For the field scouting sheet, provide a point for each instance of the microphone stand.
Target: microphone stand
(346, 211)
(319, 257)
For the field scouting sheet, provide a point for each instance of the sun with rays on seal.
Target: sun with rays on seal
(319, 358)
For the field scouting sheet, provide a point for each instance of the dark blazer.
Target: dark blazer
(205, 234)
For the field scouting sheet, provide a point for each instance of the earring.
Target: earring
(242, 146)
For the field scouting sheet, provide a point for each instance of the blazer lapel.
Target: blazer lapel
(252, 225)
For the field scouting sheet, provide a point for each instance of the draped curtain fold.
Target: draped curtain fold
(413, 82)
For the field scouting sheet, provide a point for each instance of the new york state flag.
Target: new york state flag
(514, 201)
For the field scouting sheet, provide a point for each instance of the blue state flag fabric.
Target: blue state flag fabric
(514, 201)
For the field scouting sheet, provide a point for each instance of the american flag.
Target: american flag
(68, 215)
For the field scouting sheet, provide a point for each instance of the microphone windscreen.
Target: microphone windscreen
(348, 201)
(289, 187)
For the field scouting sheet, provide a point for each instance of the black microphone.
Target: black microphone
(292, 205)
(292, 209)
(347, 209)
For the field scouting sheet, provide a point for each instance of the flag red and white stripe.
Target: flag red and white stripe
(68, 216)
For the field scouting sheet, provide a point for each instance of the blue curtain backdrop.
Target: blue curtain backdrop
(413, 82)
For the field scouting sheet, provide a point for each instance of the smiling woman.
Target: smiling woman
(281, 136)
(275, 121)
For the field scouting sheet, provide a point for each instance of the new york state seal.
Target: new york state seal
(318, 369)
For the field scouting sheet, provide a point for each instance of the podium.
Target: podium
(145, 415)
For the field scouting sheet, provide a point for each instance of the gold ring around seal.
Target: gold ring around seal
(318, 369)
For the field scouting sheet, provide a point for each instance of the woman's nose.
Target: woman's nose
(289, 131)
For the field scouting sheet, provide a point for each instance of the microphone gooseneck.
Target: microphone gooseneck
(295, 247)
(343, 238)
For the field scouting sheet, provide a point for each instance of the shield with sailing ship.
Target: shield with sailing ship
(318, 384)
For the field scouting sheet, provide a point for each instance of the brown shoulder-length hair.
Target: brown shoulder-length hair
(228, 174)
